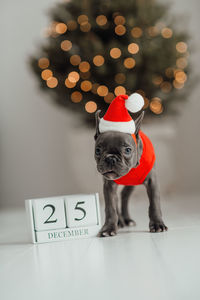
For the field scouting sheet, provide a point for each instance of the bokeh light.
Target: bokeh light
(181, 47)
(66, 45)
(166, 33)
(166, 86)
(157, 80)
(69, 84)
(178, 85)
(82, 19)
(169, 72)
(98, 60)
(86, 86)
(129, 63)
(102, 90)
(46, 74)
(76, 97)
(61, 28)
(109, 97)
(180, 76)
(75, 60)
(156, 105)
(152, 31)
(71, 25)
(74, 76)
(136, 32)
(133, 48)
(120, 30)
(115, 53)
(120, 78)
(84, 66)
(119, 20)
(52, 82)
(181, 63)
(85, 27)
(120, 90)
(101, 20)
(43, 63)
(90, 107)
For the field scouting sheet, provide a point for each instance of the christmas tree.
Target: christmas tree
(97, 49)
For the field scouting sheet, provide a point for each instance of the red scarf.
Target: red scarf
(137, 175)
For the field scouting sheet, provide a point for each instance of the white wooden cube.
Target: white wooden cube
(62, 218)
(49, 213)
(81, 210)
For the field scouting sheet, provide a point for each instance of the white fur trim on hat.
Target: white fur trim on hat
(134, 103)
(127, 127)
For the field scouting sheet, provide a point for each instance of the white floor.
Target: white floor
(133, 265)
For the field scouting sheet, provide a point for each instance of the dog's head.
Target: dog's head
(116, 152)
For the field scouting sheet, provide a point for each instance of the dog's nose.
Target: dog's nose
(111, 160)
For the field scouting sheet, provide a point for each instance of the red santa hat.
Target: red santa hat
(117, 117)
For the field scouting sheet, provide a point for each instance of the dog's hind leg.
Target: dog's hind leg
(125, 196)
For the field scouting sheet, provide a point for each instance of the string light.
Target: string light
(157, 80)
(76, 97)
(66, 45)
(61, 28)
(166, 86)
(86, 86)
(82, 19)
(75, 60)
(120, 30)
(90, 107)
(133, 48)
(156, 105)
(166, 33)
(46, 74)
(120, 90)
(74, 76)
(101, 20)
(69, 84)
(115, 53)
(181, 47)
(43, 63)
(181, 62)
(119, 20)
(84, 66)
(102, 90)
(136, 32)
(120, 78)
(52, 82)
(71, 25)
(98, 60)
(178, 85)
(129, 63)
(180, 76)
(109, 97)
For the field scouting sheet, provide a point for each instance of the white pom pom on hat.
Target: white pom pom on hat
(134, 103)
(117, 117)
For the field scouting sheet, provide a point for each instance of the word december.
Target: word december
(67, 233)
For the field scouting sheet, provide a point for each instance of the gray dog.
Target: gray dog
(116, 153)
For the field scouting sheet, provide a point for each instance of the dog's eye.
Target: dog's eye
(97, 151)
(127, 150)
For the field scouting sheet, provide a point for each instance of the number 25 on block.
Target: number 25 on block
(62, 218)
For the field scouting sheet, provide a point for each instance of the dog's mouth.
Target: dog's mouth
(110, 175)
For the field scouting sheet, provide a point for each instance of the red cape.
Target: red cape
(137, 175)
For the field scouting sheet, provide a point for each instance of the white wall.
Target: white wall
(40, 143)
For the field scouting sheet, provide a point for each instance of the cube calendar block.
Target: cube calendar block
(64, 217)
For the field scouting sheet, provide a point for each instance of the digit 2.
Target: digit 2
(53, 210)
(81, 209)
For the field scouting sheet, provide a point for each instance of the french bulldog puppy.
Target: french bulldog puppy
(116, 153)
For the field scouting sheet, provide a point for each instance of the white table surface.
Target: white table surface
(135, 264)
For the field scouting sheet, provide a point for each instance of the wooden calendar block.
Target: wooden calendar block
(81, 210)
(62, 218)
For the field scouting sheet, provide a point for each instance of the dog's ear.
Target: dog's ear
(97, 119)
(138, 123)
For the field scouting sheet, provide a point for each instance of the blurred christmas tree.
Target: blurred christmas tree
(96, 49)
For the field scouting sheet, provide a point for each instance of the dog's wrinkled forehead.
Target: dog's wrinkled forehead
(115, 139)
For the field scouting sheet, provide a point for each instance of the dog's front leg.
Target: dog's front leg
(156, 223)
(111, 216)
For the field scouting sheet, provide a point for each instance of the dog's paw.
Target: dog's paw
(129, 222)
(108, 230)
(157, 226)
(121, 222)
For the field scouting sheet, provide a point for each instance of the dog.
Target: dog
(116, 154)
